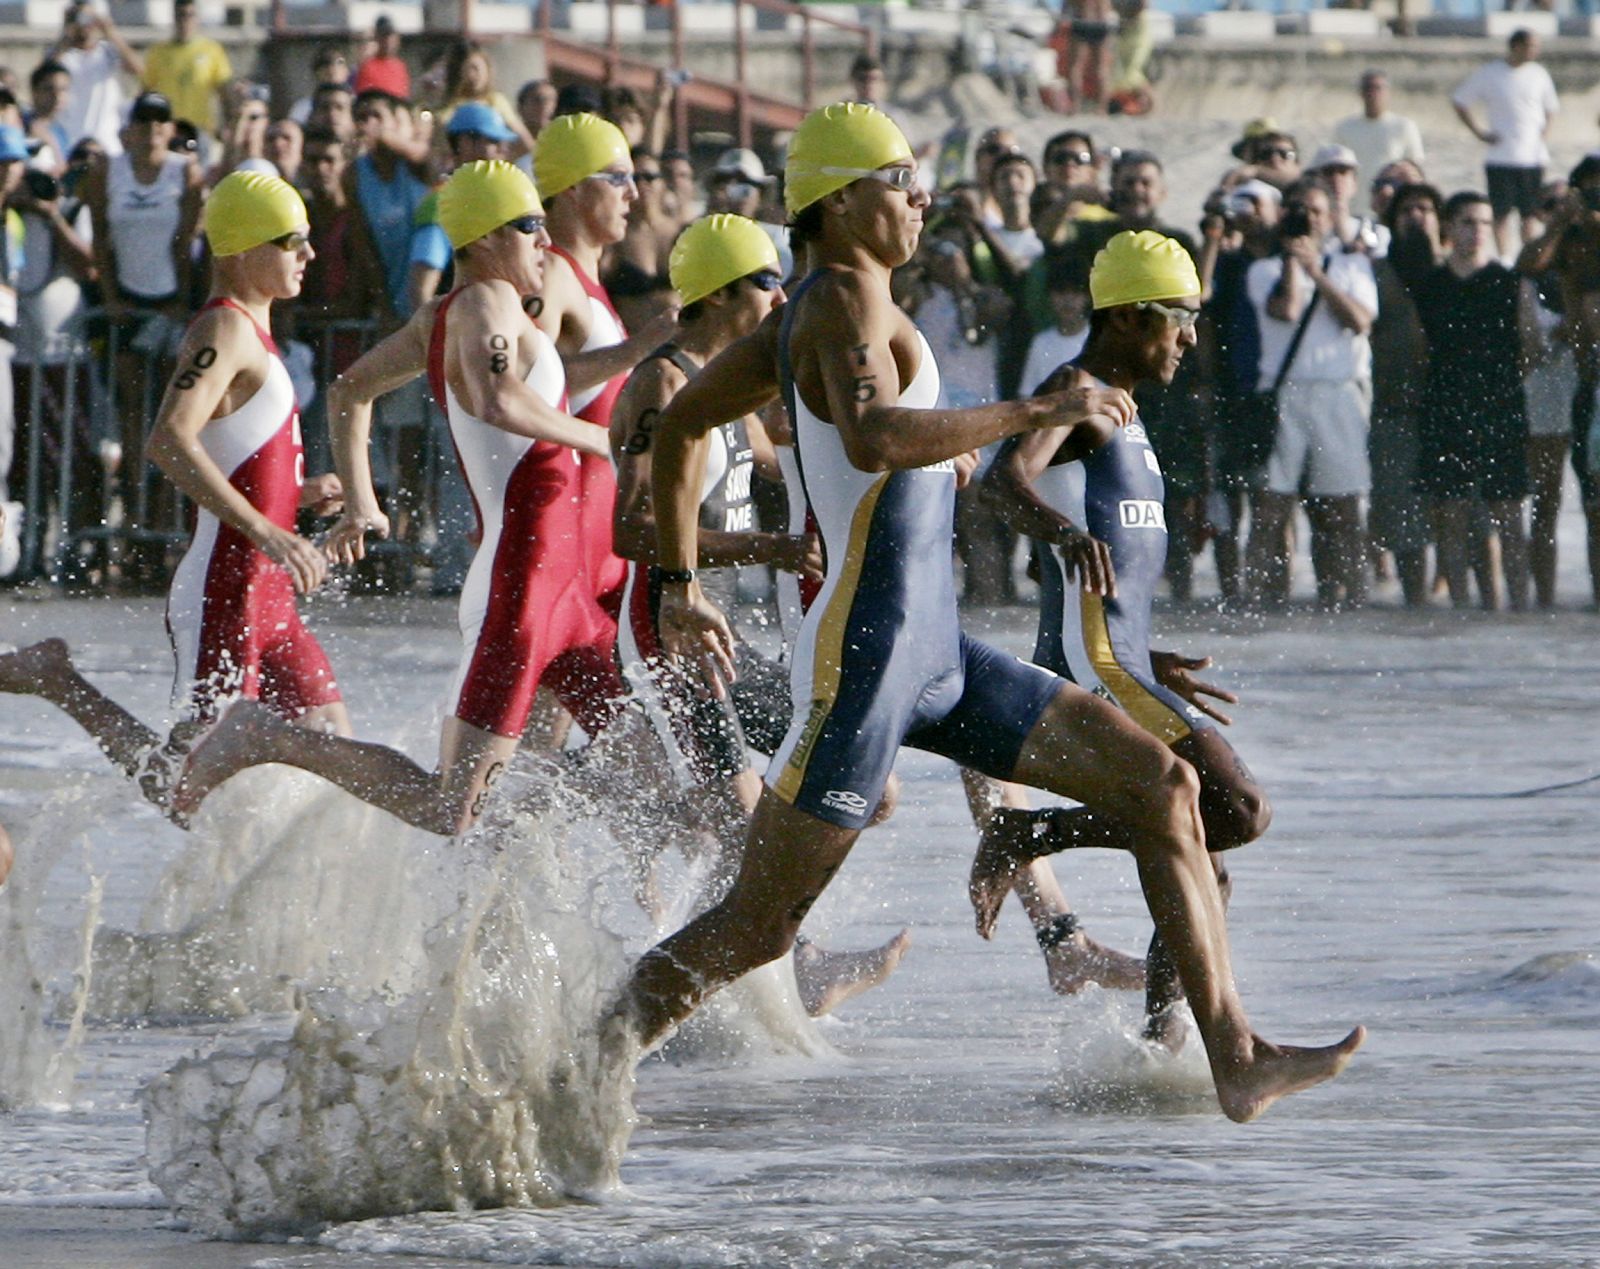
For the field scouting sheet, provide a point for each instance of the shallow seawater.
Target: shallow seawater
(960, 1115)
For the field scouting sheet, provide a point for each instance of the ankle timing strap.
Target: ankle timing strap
(1056, 931)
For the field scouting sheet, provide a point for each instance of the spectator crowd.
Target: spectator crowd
(1384, 356)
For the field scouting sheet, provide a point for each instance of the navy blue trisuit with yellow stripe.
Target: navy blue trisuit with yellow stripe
(1102, 644)
(880, 659)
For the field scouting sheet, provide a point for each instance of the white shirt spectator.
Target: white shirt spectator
(1329, 352)
(1519, 101)
(1377, 143)
(968, 373)
(1049, 350)
(1022, 243)
(96, 106)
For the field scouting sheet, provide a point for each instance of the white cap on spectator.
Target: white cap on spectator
(743, 163)
(1257, 191)
(1334, 156)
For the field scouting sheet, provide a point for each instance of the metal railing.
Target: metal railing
(103, 499)
(736, 98)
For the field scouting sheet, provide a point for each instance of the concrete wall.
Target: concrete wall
(1300, 81)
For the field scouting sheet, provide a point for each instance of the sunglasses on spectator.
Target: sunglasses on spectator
(765, 280)
(900, 178)
(618, 180)
(529, 225)
(1082, 158)
(295, 242)
(1182, 318)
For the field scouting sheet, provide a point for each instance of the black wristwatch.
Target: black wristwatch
(676, 576)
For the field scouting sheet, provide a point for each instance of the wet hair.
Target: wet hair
(805, 227)
(1460, 200)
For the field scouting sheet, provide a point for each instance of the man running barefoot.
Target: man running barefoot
(882, 660)
(725, 269)
(228, 436)
(528, 612)
(1092, 496)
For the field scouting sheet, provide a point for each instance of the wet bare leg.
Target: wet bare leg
(788, 860)
(1547, 458)
(828, 979)
(45, 670)
(1072, 959)
(446, 803)
(1087, 749)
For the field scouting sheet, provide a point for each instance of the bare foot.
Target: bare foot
(1271, 1072)
(994, 868)
(33, 670)
(828, 979)
(1078, 960)
(240, 738)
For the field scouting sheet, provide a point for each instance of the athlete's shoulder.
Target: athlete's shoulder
(226, 330)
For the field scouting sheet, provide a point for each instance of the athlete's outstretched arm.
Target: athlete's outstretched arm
(487, 321)
(633, 421)
(1009, 490)
(848, 330)
(389, 364)
(220, 345)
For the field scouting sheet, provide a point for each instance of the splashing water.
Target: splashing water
(1106, 1063)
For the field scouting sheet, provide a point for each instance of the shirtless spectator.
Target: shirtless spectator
(1089, 55)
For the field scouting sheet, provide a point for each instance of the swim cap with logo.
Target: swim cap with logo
(833, 146)
(479, 197)
(1134, 267)
(572, 147)
(247, 209)
(716, 250)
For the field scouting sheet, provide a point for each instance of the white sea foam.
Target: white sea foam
(1106, 1063)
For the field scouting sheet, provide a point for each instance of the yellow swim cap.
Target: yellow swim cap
(1134, 267)
(833, 146)
(717, 250)
(480, 197)
(249, 208)
(571, 147)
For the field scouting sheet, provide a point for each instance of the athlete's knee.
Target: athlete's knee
(887, 802)
(1174, 799)
(1235, 815)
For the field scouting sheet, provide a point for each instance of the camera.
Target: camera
(1296, 222)
(44, 187)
